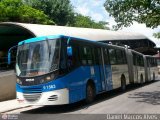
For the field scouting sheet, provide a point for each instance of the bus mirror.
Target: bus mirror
(69, 51)
(9, 54)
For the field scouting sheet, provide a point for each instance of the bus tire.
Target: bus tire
(123, 83)
(90, 92)
(141, 79)
(154, 76)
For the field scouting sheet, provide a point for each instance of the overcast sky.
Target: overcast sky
(95, 9)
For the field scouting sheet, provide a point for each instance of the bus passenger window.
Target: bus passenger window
(97, 56)
(112, 56)
(89, 56)
(141, 61)
(106, 57)
(86, 55)
(83, 53)
(124, 57)
(134, 59)
(120, 57)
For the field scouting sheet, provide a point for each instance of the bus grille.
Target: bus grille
(53, 98)
(32, 94)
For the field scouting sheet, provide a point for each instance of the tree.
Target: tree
(127, 11)
(157, 35)
(87, 22)
(60, 11)
(17, 11)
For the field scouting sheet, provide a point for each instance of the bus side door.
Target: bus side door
(100, 70)
(106, 76)
(107, 69)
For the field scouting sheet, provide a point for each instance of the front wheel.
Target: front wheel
(90, 93)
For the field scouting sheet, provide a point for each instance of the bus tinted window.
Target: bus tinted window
(141, 62)
(112, 56)
(134, 59)
(106, 57)
(152, 62)
(138, 60)
(124, 57)
(117, 56)
(86, 55)
(120, 57)
(97, 56)
(74, 60)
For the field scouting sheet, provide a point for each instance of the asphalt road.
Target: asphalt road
(136, 100)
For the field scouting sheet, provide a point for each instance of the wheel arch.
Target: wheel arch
(92, 82)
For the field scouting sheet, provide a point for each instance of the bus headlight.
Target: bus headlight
(47, 78)
(19, 81)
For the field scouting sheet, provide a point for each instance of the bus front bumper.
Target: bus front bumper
(57, 97)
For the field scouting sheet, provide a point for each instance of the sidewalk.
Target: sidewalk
(10, 105)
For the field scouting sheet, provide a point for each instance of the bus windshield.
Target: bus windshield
(38, 58)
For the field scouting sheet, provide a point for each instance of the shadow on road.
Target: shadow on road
(99, 98)
(147, 97)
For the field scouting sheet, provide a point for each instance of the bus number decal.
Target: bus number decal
(48, 87)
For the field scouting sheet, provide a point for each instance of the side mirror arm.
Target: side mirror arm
(9, 54)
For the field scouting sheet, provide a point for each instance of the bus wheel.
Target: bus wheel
(154, 76)
(90, 93)
(123, 83)
(141, 79)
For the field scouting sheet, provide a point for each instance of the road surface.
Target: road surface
(136, 100)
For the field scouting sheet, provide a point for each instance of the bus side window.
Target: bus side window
(97, 56)
(120, 57)
(89, 56)
(86, 55)
(112, 56)
(138, 60)
(83, 52)
(155, 61)
(134, 59)
(106, 57)
(142, 61)
(75, 56)
(124, 57)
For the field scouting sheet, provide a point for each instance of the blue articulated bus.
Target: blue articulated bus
(59, 69)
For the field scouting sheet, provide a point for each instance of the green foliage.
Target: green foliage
(87, 22)
(157, 35)
(127, 11)
(60, 11)
(17, 11)
(36, 11)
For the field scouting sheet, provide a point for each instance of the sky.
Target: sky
(96, 10)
